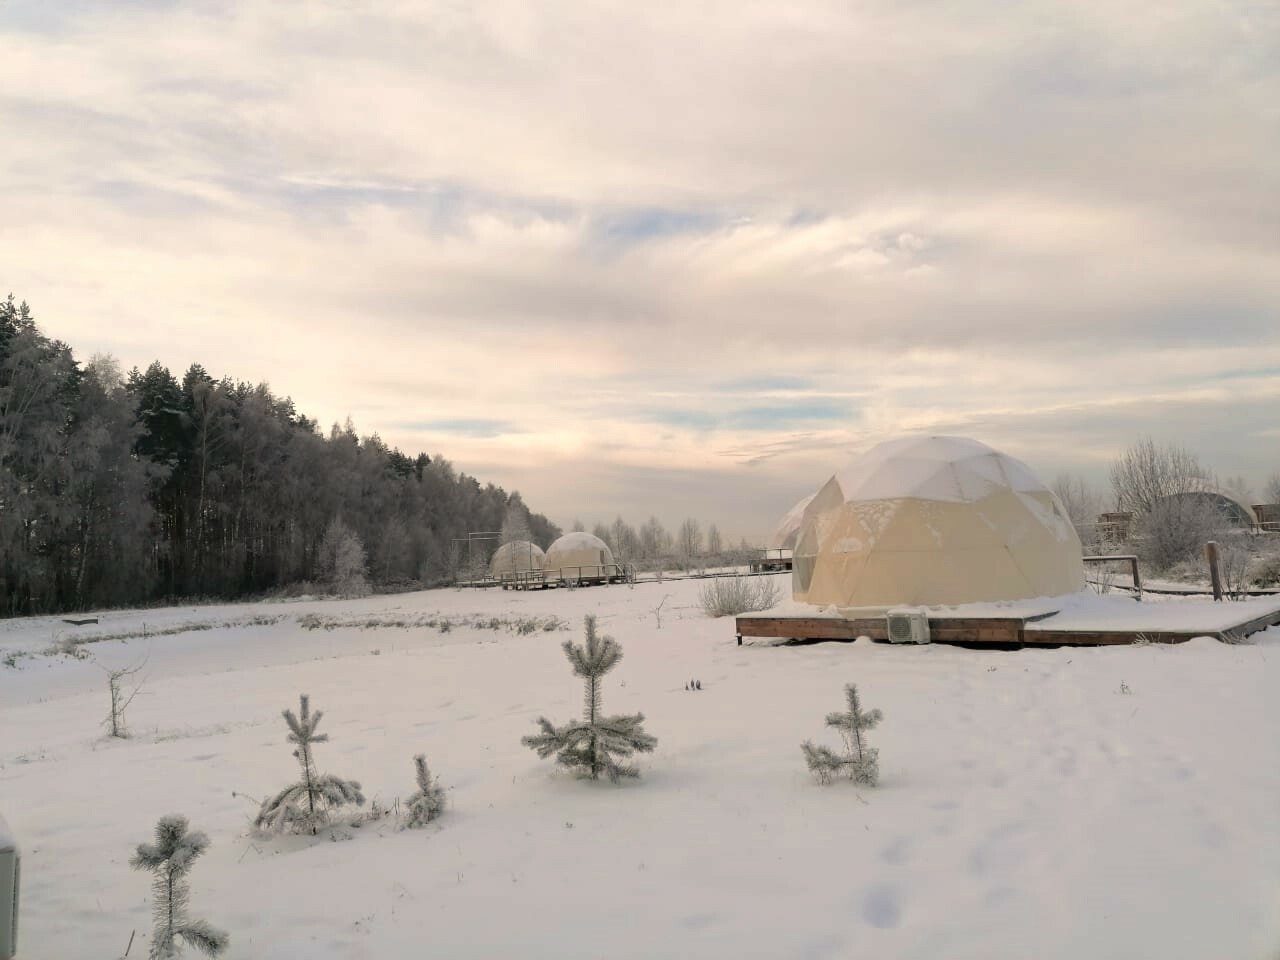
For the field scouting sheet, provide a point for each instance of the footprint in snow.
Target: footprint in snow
(882, 907)
(898, 852)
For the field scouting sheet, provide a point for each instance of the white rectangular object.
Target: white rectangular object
(908, 625)
(9, 864)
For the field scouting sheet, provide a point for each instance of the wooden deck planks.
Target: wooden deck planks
(993, 630)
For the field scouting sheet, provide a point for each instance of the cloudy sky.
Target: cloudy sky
(673, 258)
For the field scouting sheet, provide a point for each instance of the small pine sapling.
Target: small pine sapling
(860, 763)
(591, 746)
(428, 802)
(305, 806)
(169, 859)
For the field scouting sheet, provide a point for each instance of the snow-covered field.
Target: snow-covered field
(1100, 803)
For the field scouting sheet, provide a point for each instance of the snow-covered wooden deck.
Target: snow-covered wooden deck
(1074, 623)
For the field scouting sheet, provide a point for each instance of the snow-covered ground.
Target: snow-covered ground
(1101, 803)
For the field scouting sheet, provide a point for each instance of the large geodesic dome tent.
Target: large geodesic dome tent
(515, 559)
(577, 555)
(934, 521)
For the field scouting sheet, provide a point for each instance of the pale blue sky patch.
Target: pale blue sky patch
(630, 226)
(475, 428)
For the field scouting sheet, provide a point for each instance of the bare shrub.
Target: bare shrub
(1266, 573)
(1233, 563)
(1104, 578)
(1176, 529)
(1146, 474)
(120, 697)
(730, 596)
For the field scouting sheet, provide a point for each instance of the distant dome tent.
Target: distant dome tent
(934, 521)
(1232, 508)
(579, 556)
(518, 558)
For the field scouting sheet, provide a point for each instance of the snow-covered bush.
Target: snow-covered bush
(306, 805)
(1234, 564)
(591, 746)
(169, 859)
(860, 763)
(1176, 529)
(1266, 572)
(730, 596)
(428, 802)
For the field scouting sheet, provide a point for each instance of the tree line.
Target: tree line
(121, 489)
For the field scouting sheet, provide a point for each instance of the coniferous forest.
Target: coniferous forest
(120, 489)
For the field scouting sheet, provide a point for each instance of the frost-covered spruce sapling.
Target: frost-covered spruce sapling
(305, 805)
(169, 859)
(428, 802)
(860, 763)
(593, 745)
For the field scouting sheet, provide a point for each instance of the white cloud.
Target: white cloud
(1052, 227)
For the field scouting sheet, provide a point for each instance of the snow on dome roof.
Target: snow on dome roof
(948, 469)
(784, 537)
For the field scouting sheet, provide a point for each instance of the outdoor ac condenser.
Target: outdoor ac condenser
(908, 625)
(8, 892)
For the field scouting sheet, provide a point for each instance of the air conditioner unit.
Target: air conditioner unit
(8, 892)
(908, 625)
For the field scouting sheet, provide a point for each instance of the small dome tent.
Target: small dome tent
(784, 537)
(516, 559)
(934, 520)
(578, 556)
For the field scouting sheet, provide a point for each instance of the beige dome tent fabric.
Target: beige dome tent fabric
(578, 555)
(784, 538)
(516, 558)
(934, 520)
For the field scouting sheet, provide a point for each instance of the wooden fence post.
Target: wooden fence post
(1215, 573)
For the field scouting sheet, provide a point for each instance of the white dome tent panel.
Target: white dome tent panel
(788, 529)
(516, 559)
(579, 556)
(932, 521)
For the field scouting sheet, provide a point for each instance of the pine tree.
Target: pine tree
(428, 802)
(860, 763)
(305, 806)
(592, 745)
(170, 859)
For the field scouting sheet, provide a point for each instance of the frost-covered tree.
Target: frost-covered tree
(304, 806)
(515, 525)
(859, 762)
(594, 745)
(343, 560)
(428, 802)
(689, 539)
(1271, 491)
(169, 859)
(715, 543)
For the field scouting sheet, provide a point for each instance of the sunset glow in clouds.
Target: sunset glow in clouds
(674, 258)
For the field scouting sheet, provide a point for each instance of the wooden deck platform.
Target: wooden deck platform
(1038, 629)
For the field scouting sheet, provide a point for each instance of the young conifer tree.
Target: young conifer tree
(305, 805)
(169, 859)
(428, 802)
(591, 746)
(860, 763)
